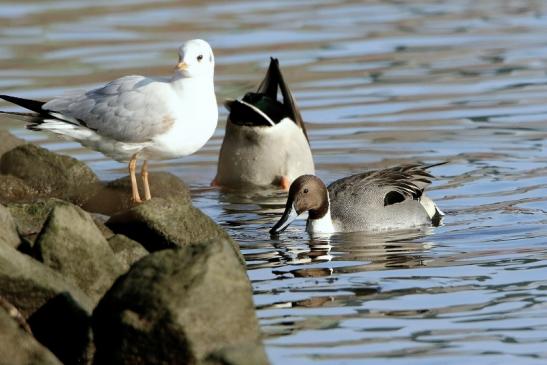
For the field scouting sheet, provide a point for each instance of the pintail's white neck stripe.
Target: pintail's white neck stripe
(323, 224)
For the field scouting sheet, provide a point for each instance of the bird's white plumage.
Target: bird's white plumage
(155, 118)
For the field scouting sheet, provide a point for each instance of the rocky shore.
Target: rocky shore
(86, 277)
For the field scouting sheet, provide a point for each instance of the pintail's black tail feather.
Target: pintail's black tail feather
(274, 81)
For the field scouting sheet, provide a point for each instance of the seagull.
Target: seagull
(137, 117)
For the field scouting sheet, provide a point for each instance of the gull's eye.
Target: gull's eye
(200, 57)
(306, 190)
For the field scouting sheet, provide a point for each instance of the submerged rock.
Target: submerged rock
(165, 223)
(115, 196)
(177, 307)
(71, 244)
(50, 174)
(18, 347)
(8, 229)
(126, 250)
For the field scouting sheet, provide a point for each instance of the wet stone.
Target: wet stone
(18, 347)
(8, 229)
(29, 284)
(71, 244)
(166, 223)
(177, 306)
(50, 174)
(126, 250)
(115, 196)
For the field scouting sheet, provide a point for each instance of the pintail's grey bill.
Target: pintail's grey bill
(288, 217)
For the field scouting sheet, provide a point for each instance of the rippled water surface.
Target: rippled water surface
(379, 83)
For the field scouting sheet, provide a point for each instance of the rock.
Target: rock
(100, 220)
(164, 223)
(50, 174)
(115, 196)
(18, 347)
(71, 244)
(126, 250)
(252, 354)
(9, 141)
(30, 217)
(13, 189)
(65, 329)
(177, 307)
(28, 284)
(8, 229)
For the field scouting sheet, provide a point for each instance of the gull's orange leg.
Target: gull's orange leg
(134, 187)
(144, 175)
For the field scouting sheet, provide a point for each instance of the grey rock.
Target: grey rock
(251, 354)
(100, 220)
(28, 284)
(8, 229)
(30, 217)
(13, 189)
(50, 174)
(8, 141)
(18, 347)
(165, 223)
(115, 196)
(177, 307)
(71, 244)
(126, 250)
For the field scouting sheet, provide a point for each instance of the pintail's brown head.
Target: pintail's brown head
(306, 194)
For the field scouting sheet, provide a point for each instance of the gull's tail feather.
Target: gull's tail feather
(46, 120)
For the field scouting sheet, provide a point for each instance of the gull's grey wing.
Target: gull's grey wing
(129, 109)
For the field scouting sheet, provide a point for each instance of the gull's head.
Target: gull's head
(196, 59)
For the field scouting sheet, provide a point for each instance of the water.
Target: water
(379, 83)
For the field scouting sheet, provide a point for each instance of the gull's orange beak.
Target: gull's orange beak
(181, 66)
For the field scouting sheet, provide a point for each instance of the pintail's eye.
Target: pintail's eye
(200, 57)
(305, 190)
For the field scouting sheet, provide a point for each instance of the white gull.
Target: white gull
(137, 117)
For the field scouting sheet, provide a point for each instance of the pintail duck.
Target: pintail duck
(265, 141)
(379, 200)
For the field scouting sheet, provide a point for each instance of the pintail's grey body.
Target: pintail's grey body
(382, 200)
(379, 200)
(265, 140)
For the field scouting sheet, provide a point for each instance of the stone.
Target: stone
(8, 229)
(18, 347)
(71, 244)
(28, 284)
(65, 329)
(177, 306)
(126, 250)
(8, 141)
(251, 354)
(13, 189)
(50, 174)
(115, 196)
(164, 223)
(100, 220)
